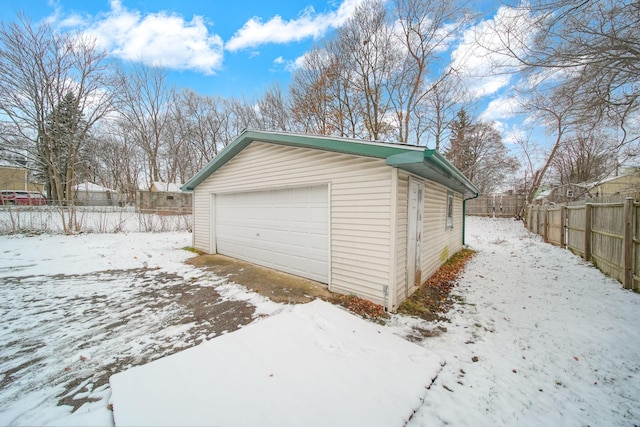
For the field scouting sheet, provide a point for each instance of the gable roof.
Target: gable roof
(170, 187)
(428, 164)
(91, 187)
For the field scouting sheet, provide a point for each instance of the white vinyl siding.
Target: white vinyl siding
(201, 220)
(402, 290)
(440, 241)
(360, 206)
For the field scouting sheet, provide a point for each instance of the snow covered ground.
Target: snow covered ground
(94, 219)
(309, 365)
(540, 337)
(556, 342)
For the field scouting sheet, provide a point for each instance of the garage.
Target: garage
(286, 229)
(335, 210)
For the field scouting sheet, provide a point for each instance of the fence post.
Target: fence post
(587, 231)
(545, 223)
(628, 244)
(563, 228)
(534, 214)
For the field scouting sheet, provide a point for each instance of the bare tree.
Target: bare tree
(530, 156)
(555, 113)
(424, 30)
(437, 110)
(121, 161)
(310, 93)
(241, 115)
(345, 115)
(590, 49)
(39, 68)
(201, 123)
(365, 46)
(584, 157)
(273, 110)
(477, 150)
(579, 62)
(598, 41)
(146, 100)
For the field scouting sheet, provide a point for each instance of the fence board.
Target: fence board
(607, 233)
(503, 206)
(575, 229)
(636, 247)
(555, 228)
(604, 233)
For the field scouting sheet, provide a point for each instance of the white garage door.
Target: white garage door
(284, 229)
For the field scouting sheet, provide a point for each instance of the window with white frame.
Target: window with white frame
(449, 209)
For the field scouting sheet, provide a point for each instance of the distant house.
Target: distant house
(14, 177)
(625, 184)
(617, 185)
(562, 194)
(367, 218)
(90, 194)
(165, 186)
(164, 197)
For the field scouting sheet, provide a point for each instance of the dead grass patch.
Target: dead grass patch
(360, 306)
(434, 298)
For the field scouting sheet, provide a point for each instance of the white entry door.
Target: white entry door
(415, 211)
(285, 229)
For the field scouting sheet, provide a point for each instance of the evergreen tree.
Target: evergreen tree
(61, 148)
(459, 148)
(477, 150)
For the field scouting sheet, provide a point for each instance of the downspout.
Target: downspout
(464, 215)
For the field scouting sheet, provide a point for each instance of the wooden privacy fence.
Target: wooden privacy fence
(505, 206)
(603, 233)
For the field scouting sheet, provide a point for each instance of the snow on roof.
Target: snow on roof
(167, 186)
(611, 179)
(11, 164)
(90, 187)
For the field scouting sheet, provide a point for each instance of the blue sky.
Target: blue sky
(240, 48)
(237, 47)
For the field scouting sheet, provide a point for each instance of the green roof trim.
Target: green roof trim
(433, 166)
(425, 163)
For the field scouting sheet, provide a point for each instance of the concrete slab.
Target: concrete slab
(276, 285)
(310, 365)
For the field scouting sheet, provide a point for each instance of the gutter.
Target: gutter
(464, 215)
(416, 162)
(436, 158)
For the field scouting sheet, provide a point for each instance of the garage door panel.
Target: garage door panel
(285, 229)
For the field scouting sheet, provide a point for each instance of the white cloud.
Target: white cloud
(512, 133)
(159, 38)
(297, 63)
(480, 57)
(501, 108)
(309, 24)
(279, 60)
